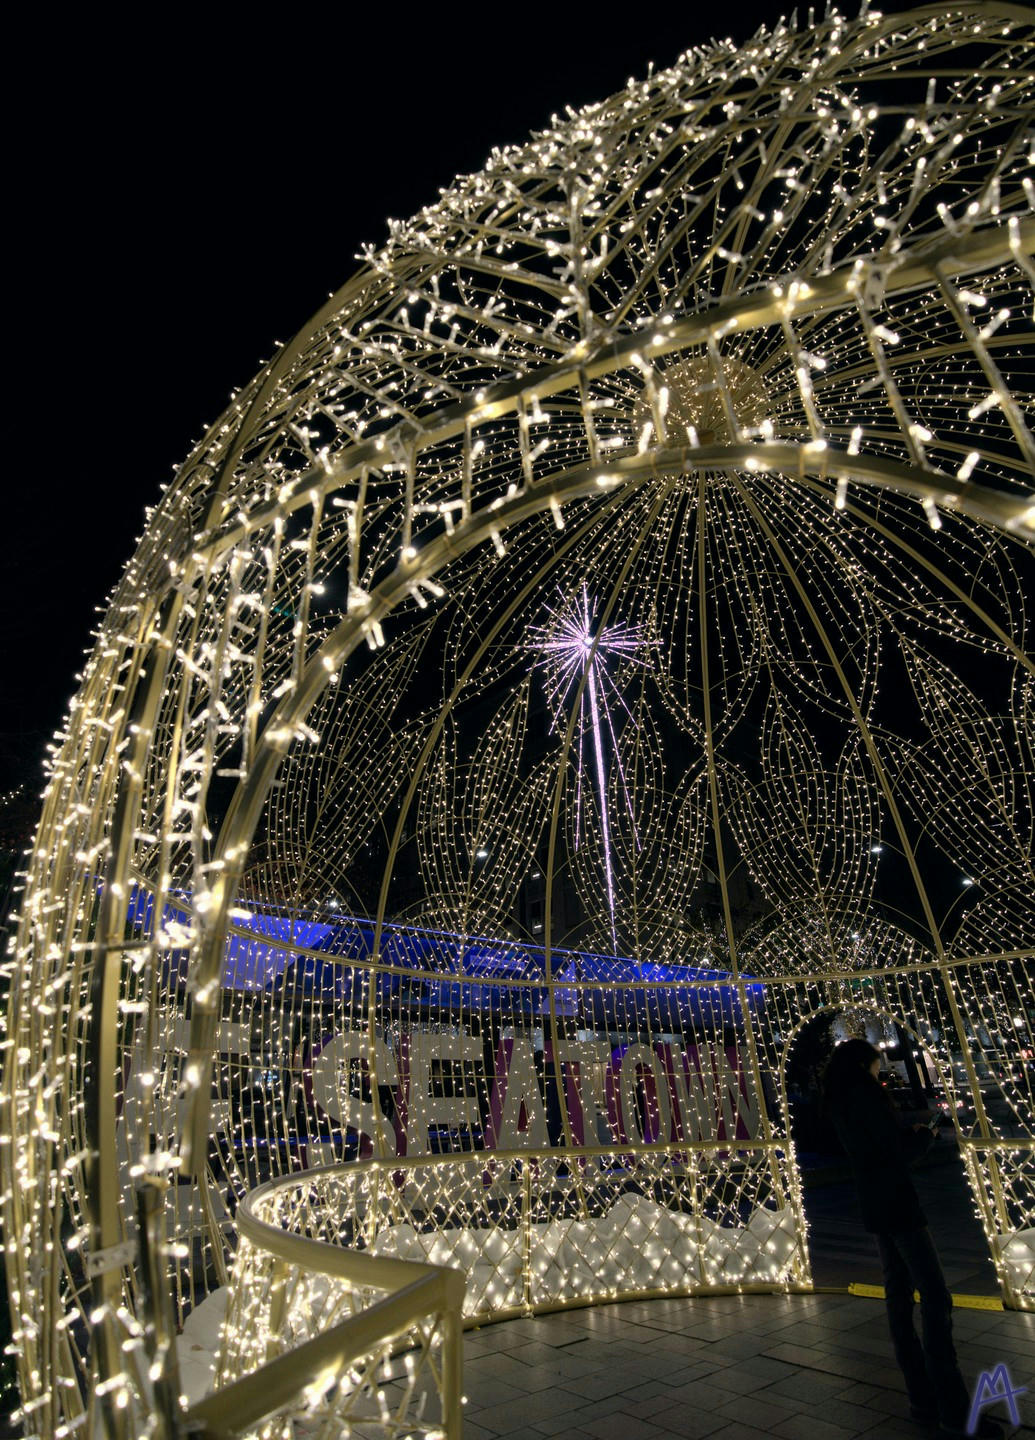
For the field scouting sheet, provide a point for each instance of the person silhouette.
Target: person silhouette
(881, 1152)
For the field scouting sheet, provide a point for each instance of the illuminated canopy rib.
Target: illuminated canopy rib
(596, 645)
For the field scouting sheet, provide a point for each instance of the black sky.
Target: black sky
(190, 195)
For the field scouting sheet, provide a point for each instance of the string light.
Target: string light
(696, 378)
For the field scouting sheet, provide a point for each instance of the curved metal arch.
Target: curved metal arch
(264, 385)
(781, 300)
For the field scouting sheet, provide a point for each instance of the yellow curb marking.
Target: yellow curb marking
(961, 1302)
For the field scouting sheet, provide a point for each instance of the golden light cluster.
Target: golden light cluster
(596, 645)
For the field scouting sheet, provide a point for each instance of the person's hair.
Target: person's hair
(847, 1067)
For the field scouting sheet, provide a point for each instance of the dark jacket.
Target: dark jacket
(881, 1152)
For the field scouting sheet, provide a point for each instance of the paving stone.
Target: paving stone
(531, 1326)
(568, 1434)
(857, 1418)
(889, 1430)
(688, 1371)
(751, 1374)
(481, 1392)
(678, 1344)
(653, 1405)
(808, 1386)
(552, 1425)
(670, 1435)
(662, 1365)
(510, 1372)
(489, 1422)
(688, 1423)
(537, 1406)
(859, 1391)
(521, 1432)
(849, 1367)
(565, 1365)
(758, 1410)
(810, 1335)
(643, 1394)
(599, 1384)
(700, 1395)
(741, 1346)
(474, 1431)
(736, 1431)
(859, 1343)
(595, 1410)
(810, 1427)
(991, 1344)
(892, 1402)
(621, 1426)
(796, 1355)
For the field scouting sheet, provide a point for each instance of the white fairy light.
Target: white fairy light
(246, 767)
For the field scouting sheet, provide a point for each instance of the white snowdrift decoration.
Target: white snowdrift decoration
(1018, 1256)
(198, 1345)
(637, 1245)
(762, 1251)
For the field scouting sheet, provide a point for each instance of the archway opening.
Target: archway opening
(914, 1076)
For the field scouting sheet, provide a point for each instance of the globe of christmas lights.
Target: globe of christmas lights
(596, 646)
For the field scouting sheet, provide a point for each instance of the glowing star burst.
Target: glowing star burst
(577, 657)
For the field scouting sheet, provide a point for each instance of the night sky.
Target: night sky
(190, 198)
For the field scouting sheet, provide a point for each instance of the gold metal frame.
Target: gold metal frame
(787, 450)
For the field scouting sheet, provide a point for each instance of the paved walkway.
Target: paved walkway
(801, 1367)
(842, 1253)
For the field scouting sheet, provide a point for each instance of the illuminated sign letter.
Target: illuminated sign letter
(584, 1065)
(738, 1108)
(441, 1094)
(332, 1086)
(516, 1098)
(643, 1092)
(693, 1094)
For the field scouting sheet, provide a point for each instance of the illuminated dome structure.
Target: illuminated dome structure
(596, 645)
